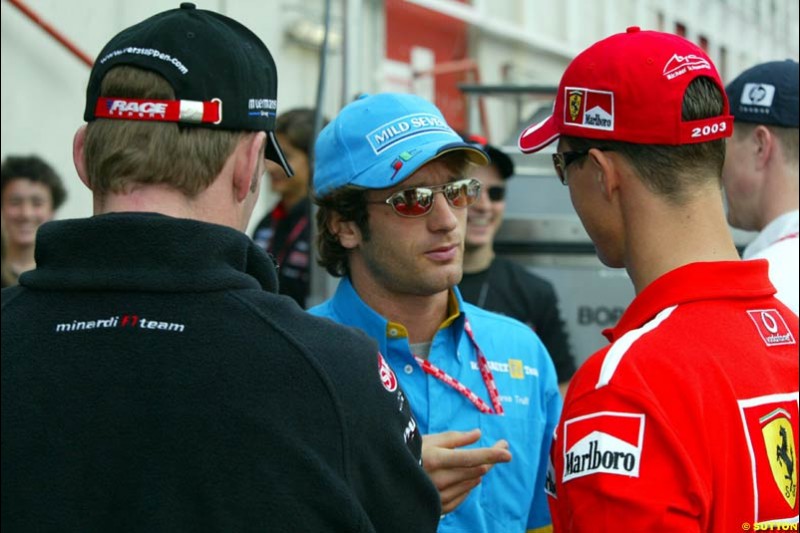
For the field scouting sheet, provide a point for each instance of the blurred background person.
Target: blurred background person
(500, 285)
(32, 192)
(761, 169)
(285, 232)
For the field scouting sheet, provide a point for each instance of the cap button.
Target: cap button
(188, 5)
(633, 29)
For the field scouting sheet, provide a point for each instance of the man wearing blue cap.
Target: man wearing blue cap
(761, 169)
(392, 181)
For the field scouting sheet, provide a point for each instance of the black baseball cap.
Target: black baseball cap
(766, 94)
(497, 157)
(223, 75)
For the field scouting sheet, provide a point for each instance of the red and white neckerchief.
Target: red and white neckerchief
(486, 374)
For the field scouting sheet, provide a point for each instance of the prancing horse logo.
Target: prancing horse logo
(779, 439)
(785, 456)
(575, 99)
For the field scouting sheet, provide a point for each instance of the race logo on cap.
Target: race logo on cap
(575, 104)
(679, 65)
(262, 107)
(588, 108)
(391, 133)
(758, 94)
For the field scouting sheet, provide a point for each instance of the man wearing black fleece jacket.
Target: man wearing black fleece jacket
(152, 379)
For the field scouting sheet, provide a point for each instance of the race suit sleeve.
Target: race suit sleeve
(618, 466)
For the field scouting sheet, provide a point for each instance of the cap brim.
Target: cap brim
(538, 136)
(275, 154)
(475, 154)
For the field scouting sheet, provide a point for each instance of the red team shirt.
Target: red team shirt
(688, 420)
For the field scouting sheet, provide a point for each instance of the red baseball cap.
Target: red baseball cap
(629, 87)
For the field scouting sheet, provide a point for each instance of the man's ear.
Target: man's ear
(764, 142)
(249, 153)
(77, 155)
(607, 171)
(347, 231)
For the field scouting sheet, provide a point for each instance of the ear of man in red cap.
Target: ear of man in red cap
(687, 420)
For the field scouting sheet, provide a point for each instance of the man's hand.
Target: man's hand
(456, 472)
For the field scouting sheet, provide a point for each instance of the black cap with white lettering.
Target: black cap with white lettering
(223, 75)
(766, 94)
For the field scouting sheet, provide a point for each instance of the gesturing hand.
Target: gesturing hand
(455, 472)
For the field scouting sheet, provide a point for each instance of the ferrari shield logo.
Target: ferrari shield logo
(779, 443)
(589, 108)
(771, 432)
(575, 101)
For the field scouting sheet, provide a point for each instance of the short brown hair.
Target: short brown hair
(121, 153)
(673, 171)
(351, 204)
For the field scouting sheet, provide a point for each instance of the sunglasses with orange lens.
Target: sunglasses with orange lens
(418, 201)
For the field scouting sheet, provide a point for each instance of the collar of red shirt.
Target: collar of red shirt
(693, 282)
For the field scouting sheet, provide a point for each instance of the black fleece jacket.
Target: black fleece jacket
(152, 380)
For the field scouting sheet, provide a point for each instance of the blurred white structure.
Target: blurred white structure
(511, 42)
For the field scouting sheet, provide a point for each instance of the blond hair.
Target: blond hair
(122, 153)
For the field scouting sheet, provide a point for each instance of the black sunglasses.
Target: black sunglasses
(496, 193)
(561, 160)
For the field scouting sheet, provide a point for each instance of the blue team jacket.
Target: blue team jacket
(511, 497)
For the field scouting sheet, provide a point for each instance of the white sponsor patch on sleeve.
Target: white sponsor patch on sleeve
(603, 443)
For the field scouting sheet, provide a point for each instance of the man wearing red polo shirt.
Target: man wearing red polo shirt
(688, 420)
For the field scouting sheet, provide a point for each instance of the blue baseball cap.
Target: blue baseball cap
(766, 94)
(377, 141)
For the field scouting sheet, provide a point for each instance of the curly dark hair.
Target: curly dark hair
(351, 204)
(33, 168)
